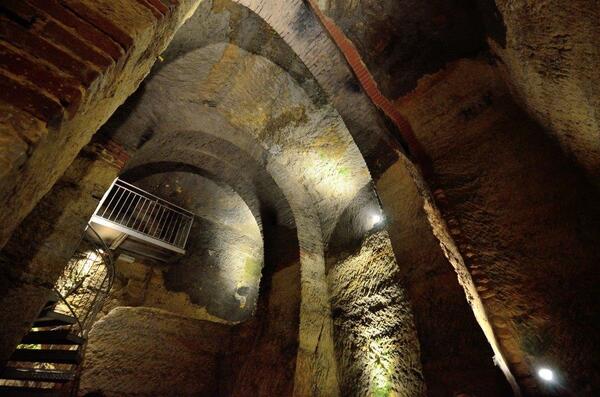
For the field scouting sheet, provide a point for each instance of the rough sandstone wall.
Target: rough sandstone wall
(374, 331)
(401, 40)
(292, 21)
(140, 284)
(550, 61)
(145, 352)
(524, 219)
(142, 351)
(455, 354)
(224, 254)
(255, 358)
(470, 193)
(39, 249)
(218, 277)
(262, 360)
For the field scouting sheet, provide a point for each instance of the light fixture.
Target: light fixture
(376, 219)
(546, 374)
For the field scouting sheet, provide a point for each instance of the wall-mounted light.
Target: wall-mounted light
(376, 219)
(546, 374)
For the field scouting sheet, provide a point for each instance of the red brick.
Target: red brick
(87, 31)
(41, 48)
(99, 21)
(22, 10)
(159, 6)
(61, 36)
(63, 87)
(30, 100)
(157, 14)
(370, 87)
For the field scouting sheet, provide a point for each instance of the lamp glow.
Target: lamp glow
(546, 374)
(376, 219)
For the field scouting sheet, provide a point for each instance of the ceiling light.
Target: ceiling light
(376, 219)
(546, 374)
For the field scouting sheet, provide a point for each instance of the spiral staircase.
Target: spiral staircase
(128, 221)
(47, 362)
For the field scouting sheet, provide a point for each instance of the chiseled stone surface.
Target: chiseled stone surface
(248, 101)
(135, 352)
(524, 220)
(18, 130)
(35, 255)
(263, 357)
(295, 22)
(218, 277)
(374, 332)
(551, 62)
(547, 55)
(455, 354)
(234, 98)
(222, 268)
(255, 94)
(402, 40)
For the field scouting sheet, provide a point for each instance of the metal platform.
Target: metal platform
(137, 222)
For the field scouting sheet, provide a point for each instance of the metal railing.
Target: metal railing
(85, 282)
(145, 216)
(82, 290)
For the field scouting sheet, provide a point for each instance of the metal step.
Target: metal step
(17, 391)
(50, 318)
(53, 299)
(37, 375)
(47, 356)
(54, 337)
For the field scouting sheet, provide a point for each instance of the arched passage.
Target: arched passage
(307, 147)
(331, 173)
(251, 123)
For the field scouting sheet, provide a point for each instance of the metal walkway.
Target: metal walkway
(127, 212)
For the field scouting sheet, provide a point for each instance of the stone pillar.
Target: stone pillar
(40, 247)
(520, 224)
(455, 354)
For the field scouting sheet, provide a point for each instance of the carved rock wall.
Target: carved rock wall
(523, 216)
(150, 352)
(43, 243)
(374, 330)
(550, 61)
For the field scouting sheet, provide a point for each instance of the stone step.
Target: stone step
(53, 299)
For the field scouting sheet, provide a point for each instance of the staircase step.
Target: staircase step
(17, 391)
(47, 356)
(54, 337)
(37, 375)
(53, 299)
(50, 318)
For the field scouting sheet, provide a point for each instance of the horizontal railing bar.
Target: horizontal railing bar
(161, 202)
(135, 233)
(137, 213)
(145, 193)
